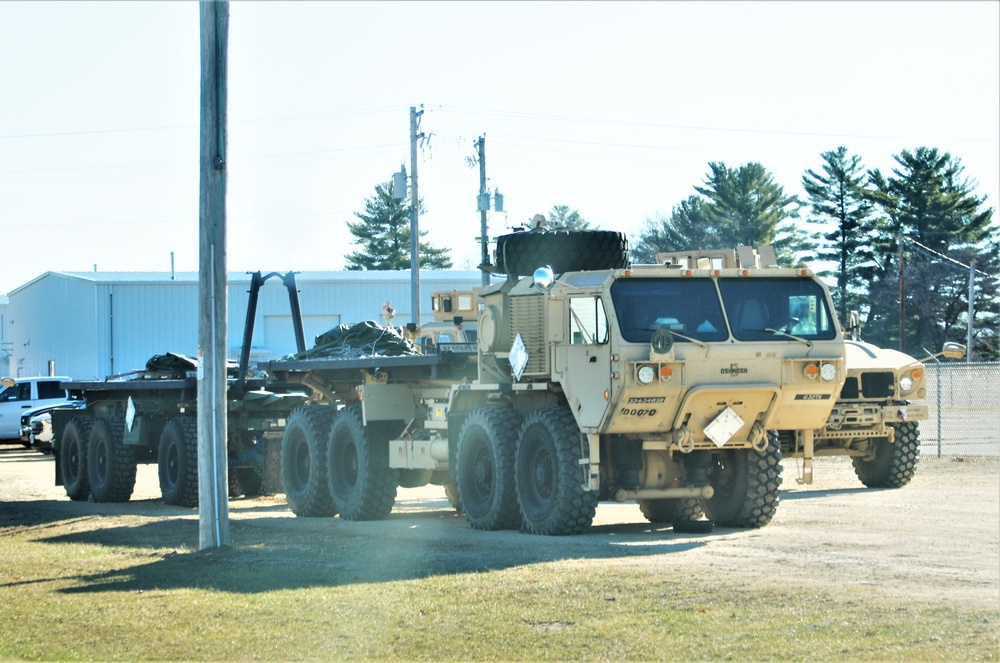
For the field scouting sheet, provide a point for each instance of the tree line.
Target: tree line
(901, 244)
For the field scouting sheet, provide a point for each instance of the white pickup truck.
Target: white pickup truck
(21, 394)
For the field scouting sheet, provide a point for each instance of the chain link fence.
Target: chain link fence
(964, 405)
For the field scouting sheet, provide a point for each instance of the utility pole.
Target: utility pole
(213, 493)
(483, 226)
(972, 310)
(414, 216)
(902, 299)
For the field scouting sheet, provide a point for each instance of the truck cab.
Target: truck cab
(18, 395)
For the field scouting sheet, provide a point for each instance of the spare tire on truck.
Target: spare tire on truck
(520, 254)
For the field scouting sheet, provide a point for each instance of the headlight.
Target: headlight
(906, 384)
(646, 374)
(828, 372)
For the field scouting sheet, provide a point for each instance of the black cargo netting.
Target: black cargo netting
(363, 339)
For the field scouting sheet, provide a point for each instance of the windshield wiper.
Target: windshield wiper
(702, 344)
(785, 334)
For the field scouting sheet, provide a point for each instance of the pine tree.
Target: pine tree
(930, 206)
(838, 200)
(561, 217)
(383, 232)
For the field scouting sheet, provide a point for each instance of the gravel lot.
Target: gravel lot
(936, 541)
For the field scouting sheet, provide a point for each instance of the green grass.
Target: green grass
(84, 589)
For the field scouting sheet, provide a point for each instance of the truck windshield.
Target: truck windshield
(689, 307)
(768, 309)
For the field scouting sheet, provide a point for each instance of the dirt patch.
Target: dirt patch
(936, 541)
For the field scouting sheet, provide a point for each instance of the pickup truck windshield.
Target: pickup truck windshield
(767, 309)
(689, 307)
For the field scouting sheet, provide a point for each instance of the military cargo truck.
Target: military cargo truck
(874, 419)
(595, 380)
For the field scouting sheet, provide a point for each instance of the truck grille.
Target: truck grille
(877, 385)
(528, 319)
(850, 390)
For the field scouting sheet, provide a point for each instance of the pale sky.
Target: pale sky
(612, 108)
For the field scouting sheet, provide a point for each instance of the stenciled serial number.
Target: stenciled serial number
(638, 412)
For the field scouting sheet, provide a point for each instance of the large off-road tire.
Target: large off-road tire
(451, 494)
(110, 463)
(73, 457)
(519, 254)
(362, 484)
(177, 462)
(747, 484)
(303, 461)
(486, 488)
(894, 464)
(666, 511)
(550, 479)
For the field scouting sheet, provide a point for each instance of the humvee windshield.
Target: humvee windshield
(757, 309)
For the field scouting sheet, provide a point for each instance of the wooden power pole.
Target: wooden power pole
(213, 493)
(414, 216)
(484, 205)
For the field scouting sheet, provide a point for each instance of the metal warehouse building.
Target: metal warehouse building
(91, 325)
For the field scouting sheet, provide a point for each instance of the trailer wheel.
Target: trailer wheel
(486, 488)
(550, 479)
(73, 457)
(747, 484)
(894, 463)
(519, 254)
(246, 463)
(177, 462)
(110, 463)
(303, 461)
(686, 509)
(362, 484)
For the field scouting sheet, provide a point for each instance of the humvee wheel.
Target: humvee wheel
(519, 254)
(177, 462)
(73, 457)
(671, 510)
(486, 487)
(110, 463)
(550, 480)
(361, 487)
(894, 464)
(303, 461)
(746, 484)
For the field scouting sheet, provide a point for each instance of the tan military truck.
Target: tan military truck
(874, 419)
(663, 384)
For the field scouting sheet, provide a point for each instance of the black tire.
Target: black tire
(177, 462)
(451, 493)
(665, 511)
(303, 461)
(110, 463)
(246, 463)
(747, 484)
(486, 486)
(520, 254)
(73, 457)
(549, 477)
(362, 484)
(894, 464)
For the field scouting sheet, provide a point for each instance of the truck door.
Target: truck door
(13, 400)
(586, 362)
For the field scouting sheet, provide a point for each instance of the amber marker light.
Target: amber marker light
(665, 373)
(811, 371)
(607, 394)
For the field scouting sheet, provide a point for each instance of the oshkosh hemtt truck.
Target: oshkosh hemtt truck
(594, 381)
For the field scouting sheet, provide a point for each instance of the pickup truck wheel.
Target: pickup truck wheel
(110, 463)
(486, 487)
(519, 254)
(303, 461)
(550, 479)
(362, 484)
(177, 462)
(894, 464)
(685, 509)
(73, 457)
(747, 484)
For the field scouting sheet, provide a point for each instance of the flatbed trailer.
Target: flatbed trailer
(150, 416)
